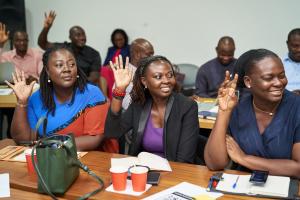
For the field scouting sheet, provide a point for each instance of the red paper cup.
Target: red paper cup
(30, 166)
(119, 177)
(139, 178)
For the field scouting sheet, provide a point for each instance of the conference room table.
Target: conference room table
(10, 101)
(24, 185)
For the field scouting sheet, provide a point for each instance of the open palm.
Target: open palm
(3, 33)
(123, 75)
(20, 88)
(226, 94)
(49, 19)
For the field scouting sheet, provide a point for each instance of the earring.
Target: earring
(77, 76)
(248, 86)
(49, 81)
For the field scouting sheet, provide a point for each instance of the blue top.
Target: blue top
(210, 76)
(125, 51)
(153, 138)
(66, 113)
(278, 138)
(292, 72)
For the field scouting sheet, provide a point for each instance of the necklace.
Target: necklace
(269, 113)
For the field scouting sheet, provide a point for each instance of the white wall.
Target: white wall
(182, 30)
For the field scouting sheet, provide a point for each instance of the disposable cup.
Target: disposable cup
(118, 176)
(30, 166)
(139, 178)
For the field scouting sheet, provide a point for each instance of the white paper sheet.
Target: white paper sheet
(128, 189)
(4, 185)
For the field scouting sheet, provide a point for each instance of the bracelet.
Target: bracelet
(118, 97)
(118, 93)
(22, 105)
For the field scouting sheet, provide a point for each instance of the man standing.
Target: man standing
(87, 58)
(291, 61)
(212, 74)
(24, 59)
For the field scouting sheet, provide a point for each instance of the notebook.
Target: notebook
(6, 69)
(275, 186)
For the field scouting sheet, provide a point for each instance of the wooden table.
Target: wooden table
(99, 162)
(8, 101)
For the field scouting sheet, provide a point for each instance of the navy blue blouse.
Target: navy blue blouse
(277, 140)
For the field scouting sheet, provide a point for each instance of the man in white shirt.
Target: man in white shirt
(291, 61)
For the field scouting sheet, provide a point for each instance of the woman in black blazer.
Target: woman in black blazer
(162, 121)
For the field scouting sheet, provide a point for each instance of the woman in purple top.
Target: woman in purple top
(162, 121)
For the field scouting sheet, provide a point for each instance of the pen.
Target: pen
(209, 184)
(235, 183)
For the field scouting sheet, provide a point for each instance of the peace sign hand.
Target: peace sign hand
(123, 75)
(226, 94)
(21, 89)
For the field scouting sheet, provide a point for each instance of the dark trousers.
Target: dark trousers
(8, 112)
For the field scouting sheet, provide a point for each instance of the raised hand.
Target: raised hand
(3, 34)
(123, 75)
(21, 89)
(226, 94)
(49, 19)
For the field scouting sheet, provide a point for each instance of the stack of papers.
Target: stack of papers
(207, 110)
(5, 91)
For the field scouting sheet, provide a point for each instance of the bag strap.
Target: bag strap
(76, 162)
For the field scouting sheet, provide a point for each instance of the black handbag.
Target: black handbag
(57, 165)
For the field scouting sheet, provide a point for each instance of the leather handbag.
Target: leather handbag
(57, 165)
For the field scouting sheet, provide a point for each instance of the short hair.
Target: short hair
(226, 40)
(47, 89)
(120, 31)
(75, 27)
(138, 44)
(246, 62)
(19, 31)
(293, 32)
(138, 93)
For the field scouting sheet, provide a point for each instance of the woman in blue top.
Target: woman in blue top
(69, 102)
(264, 127)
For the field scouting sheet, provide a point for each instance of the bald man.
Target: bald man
(212, 74)
(87, 58)
(140, 48)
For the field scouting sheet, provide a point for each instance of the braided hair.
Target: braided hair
(138, 93)
(46, 88)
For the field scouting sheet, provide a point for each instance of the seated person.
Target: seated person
(120, 46)
(162, 121)
(70, 104)
(28, 60)
(87, 58)
(211, 74)
(261, 132)
(119, 39)
(291, 61)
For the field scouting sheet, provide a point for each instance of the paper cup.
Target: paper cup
(30, 166)
(139, 178)
(119, 177)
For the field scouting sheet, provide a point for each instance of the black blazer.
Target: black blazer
(181, 127)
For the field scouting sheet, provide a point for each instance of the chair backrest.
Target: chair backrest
(190, 71)
(6, 69)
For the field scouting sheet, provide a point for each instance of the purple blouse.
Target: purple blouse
(153, 139)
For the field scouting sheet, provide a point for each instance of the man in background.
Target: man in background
(291, 61)
(28, 60)
(23, 58)
(212, 74)
(87, 58)
(140, 48)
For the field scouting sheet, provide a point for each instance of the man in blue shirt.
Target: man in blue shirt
(212, 74)
(291, 61)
